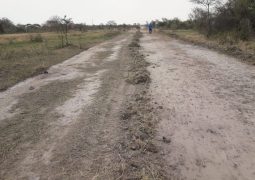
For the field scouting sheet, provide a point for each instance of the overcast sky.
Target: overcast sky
(97, 11)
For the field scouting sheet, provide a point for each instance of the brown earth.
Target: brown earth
(135, 107)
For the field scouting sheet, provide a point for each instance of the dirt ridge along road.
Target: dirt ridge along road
(140, 157)
(207, 110)
(66, 124)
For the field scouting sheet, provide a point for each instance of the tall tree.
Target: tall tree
(54, 24)
(66, 22)
(7, 26)
(1, 29)
(208, 4)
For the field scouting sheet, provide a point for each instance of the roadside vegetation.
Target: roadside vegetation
(32, 50)
(228, 26)
(26, 55)
(244, 50)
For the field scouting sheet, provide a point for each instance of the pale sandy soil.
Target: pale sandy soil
(208, 110)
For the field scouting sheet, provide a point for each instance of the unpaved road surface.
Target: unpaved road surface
(208, 110)
(108, 114)
(65, 124)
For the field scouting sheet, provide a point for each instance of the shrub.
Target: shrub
(245, 29)
(11, 41)
(228, 37)
(36, 38)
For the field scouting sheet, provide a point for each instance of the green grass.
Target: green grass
(21, 58)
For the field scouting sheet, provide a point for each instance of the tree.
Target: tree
(236, 16)
(66, 22)
(199, 18)
(1, 29)
(111, 24)
(7, 26)
(32, 27)
(60, 25)
(81, 27)
(54, 24)
(208, 4)
(21, 28)
(243, 11)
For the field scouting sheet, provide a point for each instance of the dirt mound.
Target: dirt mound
(134, 44)
(139, 77)
(138, 73)
(138, 118)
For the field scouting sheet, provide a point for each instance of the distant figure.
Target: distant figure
(150, 28)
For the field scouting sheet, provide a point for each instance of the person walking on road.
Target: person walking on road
(150, 28)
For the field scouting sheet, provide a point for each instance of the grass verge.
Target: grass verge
(244, 50)
(26, 55)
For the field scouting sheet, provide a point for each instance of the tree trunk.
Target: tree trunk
(67, 43)
(208, 21)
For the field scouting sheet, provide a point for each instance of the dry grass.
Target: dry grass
(21, 58)
(140, 156)
(244, 50)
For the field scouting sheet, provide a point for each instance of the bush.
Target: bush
(36, 38)
(11, 41)
(228, 37)
(245, 29)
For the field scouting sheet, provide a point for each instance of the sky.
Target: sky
(94, 11)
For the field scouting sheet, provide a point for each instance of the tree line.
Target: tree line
(234, 17)
(55, 24)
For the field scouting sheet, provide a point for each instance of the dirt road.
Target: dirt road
(108, 114)
(208, 110)
(64, 124)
